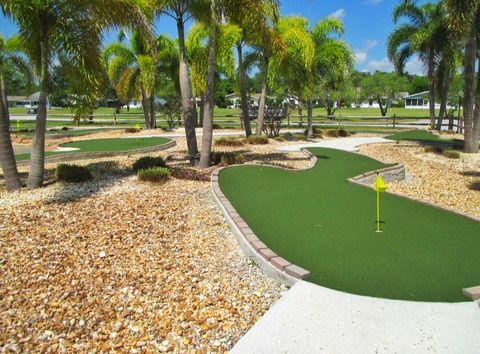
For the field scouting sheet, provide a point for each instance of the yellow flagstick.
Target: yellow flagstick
(380, 187)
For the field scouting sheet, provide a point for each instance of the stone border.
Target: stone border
(273, 265)
(97, 155)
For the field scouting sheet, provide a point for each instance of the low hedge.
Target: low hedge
(72, 173)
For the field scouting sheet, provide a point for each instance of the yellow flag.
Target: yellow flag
(379, 185)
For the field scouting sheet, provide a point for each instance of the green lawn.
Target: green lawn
(321, 222)
(424, 136)
(106, 145)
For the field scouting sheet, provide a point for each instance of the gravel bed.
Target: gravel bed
(117, 265)
(452, 183)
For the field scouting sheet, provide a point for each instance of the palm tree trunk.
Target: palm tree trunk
(189, 114)
(202, 110)
(443, 96)
(37, 156)
(383, 109)
(209, 97)
(431, 91)
(261, 105)
(476, 116)
(310, 117)
(468, 102)
(153, 119)
(145, 107)
(7, 156)
(243, 92)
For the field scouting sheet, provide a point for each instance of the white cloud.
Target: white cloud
(380, 65)
(415, 66)
(361, 55)
(340, 14)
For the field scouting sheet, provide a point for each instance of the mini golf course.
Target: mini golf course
(104, 145)
(320, 221)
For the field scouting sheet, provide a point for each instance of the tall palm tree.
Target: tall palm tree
(132, 72)
(227, 36)
(421, 35)
(253, 17)
(10, 54)
(182, 11)
(71, 29)
(333, 60)
(464, 19)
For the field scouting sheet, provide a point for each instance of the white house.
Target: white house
(24, 101)
(418, 101)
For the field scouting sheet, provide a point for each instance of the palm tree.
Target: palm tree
(333, 60)
(253, 17)
(227, 36)
(10, 54)
(71, 29)
(132, 72)
(421, 35)
(182, 11)
(464, 19)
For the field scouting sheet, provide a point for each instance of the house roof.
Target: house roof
(17, 98)
(423, 94)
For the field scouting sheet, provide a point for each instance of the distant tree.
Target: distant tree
(418, 84)
(382, 87)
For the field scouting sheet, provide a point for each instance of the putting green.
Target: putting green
(325, 224)
(105, 145)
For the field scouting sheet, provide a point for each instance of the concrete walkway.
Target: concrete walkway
(347, 144)
(310, 318)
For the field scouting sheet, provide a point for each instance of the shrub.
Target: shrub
(72, 173)
(289, 136)
(434, 149)
(147, 162)
(227, 158)
(228, 142)
(279, 139)
(132, 130)
(451, 154)
(65, 128)
(256, 140)
(316, 132)
(217, 126)
(301, 137)
(153, 174)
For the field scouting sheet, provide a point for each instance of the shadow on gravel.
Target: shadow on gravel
(105, 175)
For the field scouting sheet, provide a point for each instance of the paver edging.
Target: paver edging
(273, 265)
(98, 155)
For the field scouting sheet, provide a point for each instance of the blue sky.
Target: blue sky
(367, 25)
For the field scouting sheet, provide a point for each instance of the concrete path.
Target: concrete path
(348, 144)
(313, 319)
(310, 318)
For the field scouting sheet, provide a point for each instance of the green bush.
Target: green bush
(72, 173)
(226, 158)
(279, 139)
(228, 142)
(451, 154)
(434, 149)
(65, 128)
(146, 162)
(256, 140)
(132, 130)
(217, 126)
(301, 137)
(153, 174)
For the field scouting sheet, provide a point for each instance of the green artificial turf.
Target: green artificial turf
(322, 222)
(416, 135)
(105, 145)
(114, 145)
